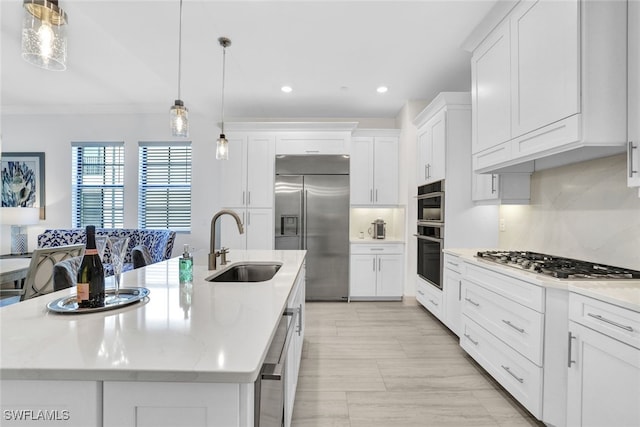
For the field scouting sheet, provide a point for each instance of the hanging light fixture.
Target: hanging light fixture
(179, 114)
(222, 145)
(44, 34)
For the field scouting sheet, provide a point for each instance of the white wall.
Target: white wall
(583, 211)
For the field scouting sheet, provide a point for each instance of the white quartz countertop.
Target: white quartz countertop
(623, 293)
(370, 241)
(218, 333)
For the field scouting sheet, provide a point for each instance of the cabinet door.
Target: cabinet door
(633, 120)
(362, 276)
(422, 167)
(491, 91)
(604, 380)
(390, 278)
(386, 171)
(452, 295)
(484, 187)
(361, 171)
(545, 62)
(232, 180)
(260, 171)
(259, 228)
(228, 232)
(437, 146)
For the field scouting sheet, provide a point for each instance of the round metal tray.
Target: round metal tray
(69, 305)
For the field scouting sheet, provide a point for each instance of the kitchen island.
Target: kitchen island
(185, 355)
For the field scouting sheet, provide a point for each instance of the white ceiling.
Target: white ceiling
(123, 56)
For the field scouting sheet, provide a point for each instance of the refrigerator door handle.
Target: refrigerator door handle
(304, 221)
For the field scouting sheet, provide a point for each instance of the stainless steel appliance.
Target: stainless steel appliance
(270, 385)
(558, 267)
(430, 233)
(378, 229)
(312, 213)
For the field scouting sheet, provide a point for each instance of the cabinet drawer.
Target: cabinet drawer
(616, 322)
(318, 144)
(376, 249)
(519, 327)
(484, 160)
(525, 293)
(454, 263)
(430, 297)
(514, 372)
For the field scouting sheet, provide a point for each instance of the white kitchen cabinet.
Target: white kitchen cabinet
(452, 292)
(430, 297)
(432, 140)
(633, 118)
(550, 79)
(60, 403)
(246, 178)
(294, 353)
(258, 230)
(603, 363)
(508, 188)
(313, 143)
(376, 271)
(374, 170)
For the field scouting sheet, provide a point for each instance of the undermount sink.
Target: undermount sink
(247, 272)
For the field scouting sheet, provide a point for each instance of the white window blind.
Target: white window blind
(98, 184)
(165, 185)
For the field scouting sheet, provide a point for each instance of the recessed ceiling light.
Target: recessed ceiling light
(286, 89)
(382, 89)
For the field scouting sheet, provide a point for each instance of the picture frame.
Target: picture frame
(23, 180)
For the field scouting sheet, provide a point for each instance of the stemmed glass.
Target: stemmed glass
(101, 244)
(118, 248)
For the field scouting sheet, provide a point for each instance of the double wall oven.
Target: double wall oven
(430, 232)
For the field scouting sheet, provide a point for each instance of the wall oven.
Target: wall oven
(430, 244)
(431, 202)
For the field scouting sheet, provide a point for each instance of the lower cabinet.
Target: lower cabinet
(604, 364)
(452, 292)
(294, 353)
(430, 297)
(376, 271)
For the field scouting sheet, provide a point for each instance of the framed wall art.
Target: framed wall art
(23, 181)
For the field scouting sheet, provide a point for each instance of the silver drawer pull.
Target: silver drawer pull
(452, 263)
(513, 326)
(376, 249)
(506, 368)
(420, 292)
(472, 302)
(611, 322)
(433, 302)
(474, 342)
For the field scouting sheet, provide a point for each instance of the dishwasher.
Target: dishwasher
(269, 387)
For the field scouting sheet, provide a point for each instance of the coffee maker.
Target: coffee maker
(378, 229)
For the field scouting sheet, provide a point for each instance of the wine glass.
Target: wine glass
(101, 244)
(118, 247)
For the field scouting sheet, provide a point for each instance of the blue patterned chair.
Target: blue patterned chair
(159, 243)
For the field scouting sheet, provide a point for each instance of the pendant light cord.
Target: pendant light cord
(180, 51)
(224, 56)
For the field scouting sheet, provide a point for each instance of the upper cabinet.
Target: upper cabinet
(633, 120)
(432, 139)
(247, 177)
(548, 79)
(374, 168)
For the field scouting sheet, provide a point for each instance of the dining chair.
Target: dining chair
(39, 280)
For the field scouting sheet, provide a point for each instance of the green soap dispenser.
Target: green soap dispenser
(186, 266)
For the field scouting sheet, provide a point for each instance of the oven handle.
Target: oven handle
(430, 195)
(273, 371)
(437, 224)
(431, 239)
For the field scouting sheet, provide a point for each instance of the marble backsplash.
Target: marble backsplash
(584, 211)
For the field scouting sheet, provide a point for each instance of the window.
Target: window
(98, 184)
(165, 185)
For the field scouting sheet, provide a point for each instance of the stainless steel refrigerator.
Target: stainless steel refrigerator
(312, 213)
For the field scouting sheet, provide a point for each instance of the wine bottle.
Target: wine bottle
(90, 293)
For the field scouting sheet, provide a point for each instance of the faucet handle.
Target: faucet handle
(223, 255)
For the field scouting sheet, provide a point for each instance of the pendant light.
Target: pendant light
(222, 145)
(44, 34)
(179, 114)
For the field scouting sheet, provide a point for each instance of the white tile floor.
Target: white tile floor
(393, 364)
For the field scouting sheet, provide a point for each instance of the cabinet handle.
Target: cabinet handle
(299, 328)
(371, 195)
(569, 360)
(472, 302)
(377, 249)
(452, 263)
(379, 264)
(506, 368)
(433, 302)
(474, 342)
(243, 198)
(630, 148)
(311, 151)
(611, 322)
(248, 198)
(426, 173)
(508, 322)
(420, 292)
(374, 264)
(376, 194)
(493, 183)
(459, 290)
(428, 170)
(248, 218)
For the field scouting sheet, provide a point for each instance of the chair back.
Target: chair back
(39, 280)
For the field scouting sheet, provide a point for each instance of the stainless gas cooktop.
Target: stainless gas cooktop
(561, 268)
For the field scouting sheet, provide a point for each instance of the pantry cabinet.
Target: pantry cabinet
(633, 119)
(549, 79)
(376, 271)
(374, 170)
(603, 363)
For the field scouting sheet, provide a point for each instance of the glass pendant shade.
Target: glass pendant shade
(179, 116)
(222, 148)
(44, 34)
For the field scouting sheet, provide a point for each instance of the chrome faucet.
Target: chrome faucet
(213, 254)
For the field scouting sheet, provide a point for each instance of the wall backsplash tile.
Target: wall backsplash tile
(584, 211)
(361, 219)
